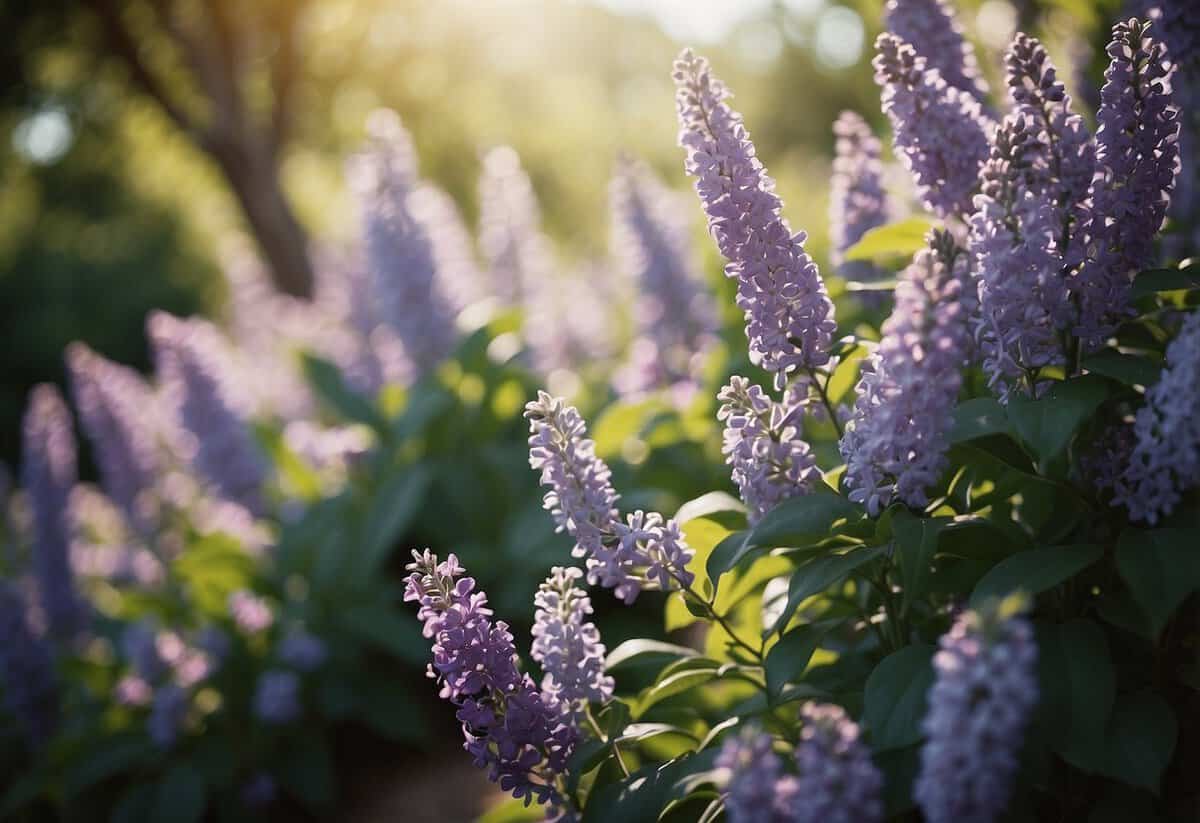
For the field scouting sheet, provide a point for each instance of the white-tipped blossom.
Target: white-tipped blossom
(939, 132)
(514, 248)
(895, 444)
(932, 29)
(979, 706)
(567, 644)
(1165, 460)
(644, 551)
(857, 199)
(789, 317)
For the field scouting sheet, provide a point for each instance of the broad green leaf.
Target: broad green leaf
(978, 417)
(1161, 568)
(800, 521)
(1035, 571)
(392, 509)
(1048, 423)
(895, 697)
(644, 794)
(703, 535)
(709, 504)
(818, 575)
(916, 543)
(886, 244)
(119, 753)
(637, 732)
(1130, 369)
(326, 380)
(1156, 280)
(1141, 739)
(788, 658)
(621, 422)
(1077, 686)
(180, 796)
(644, 652)
(899, 768)
(845, 375)
(727, 554)
(677, 678)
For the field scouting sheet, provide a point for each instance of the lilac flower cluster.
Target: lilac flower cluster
(979, 705)
(510, 237)
(217, 442)
(302, 650)
(1178, 22)
(644, 551)
(932, 29)
(939, 132)
(511, 727)
(1166, 453)
(26, 670)
(762, 443)
(277, 697)
(754, 770)
(895, 444)
(675, 318)
(789, 317)
(566, 644)
(1137, 158)
(164, 672)
(857, 200)
(251, 613)
(48, 475)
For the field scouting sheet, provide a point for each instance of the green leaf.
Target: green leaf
(916, 543)
(644, 652)
(1077, 685)
(788, 658)
(845, 374)
(119, 753)
(392, 509)
(1129, 369)
(727, 554)
(800, 521)
(899, 768)
(677, 678)
(1156, 280)
(895, 240)
(326, 380)
(306, 769)
(1161, 568)
(644, 794)
(1048, 423)
(708, 504)
(895, 696)
(978, 417)
(1141, 739)
(180, 796)
(622, 422)
(1035, 571)
(379, 624)
(817, 575)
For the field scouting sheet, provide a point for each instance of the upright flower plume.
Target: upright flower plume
(561, 338)
(1137, 158)
(769, 459)
(26, 670)
(511, 728)
(218, 444)
(567, 644)
(675, 318)
(789, 317)
(113, 401)
(752, 776)
(1166, 453)
(277, 697)
(516, 252)
(932, 29)
(895, 444)
(979, 705)
(48, 474)
(938, 131)
(837, 780)
(1179, 26)
(857, 200)
(644, 551)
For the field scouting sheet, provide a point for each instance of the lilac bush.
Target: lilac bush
(934, 32)
(837, 782)
(857, 199)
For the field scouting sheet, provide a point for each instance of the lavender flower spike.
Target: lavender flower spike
(789, 317)
(895, 444)
(938, 131)
(26, 670)
(752, 775)
(1166, 454)
(931, 28)
(837, 780)
(857, 200)
(566, 644)
(112, 401)
(646, 550)
(979, 705)
(511, 727)
(510, 236)
(769, 459)
(1137, 159)
(277, 697)
(48, 474)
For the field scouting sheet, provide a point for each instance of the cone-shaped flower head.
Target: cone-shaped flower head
(938, 131)
(979, 706)
(895, 444)
(277, 697)
(48, 474)
(752, 772)
(644, 551)
(514, 248)
(857, 200)
(1166, 453)
(567, 644)
(789, 317)
(932, 29)
(26, 670)
(836, 779)
(511, 727)
(1137, 158)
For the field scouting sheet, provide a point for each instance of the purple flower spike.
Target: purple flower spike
(566, 644)
(26, 670)
(753, 773)
(979, 705)
(938, 131)
(837, 780)
(48, 474)
(857, 200)
(789, 317)
(516, 251)
(930, 26)
(277, 697)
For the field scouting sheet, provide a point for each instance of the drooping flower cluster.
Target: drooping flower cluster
(644, 551)
(1166, 453)
(26, 670)
(48, 475)
(857, 200)
(675, 318)
(979, 705)
(511, 727)
(510, 235)
(567, 644)
(210, 414)
(933, 30)
(939, 132)
(762, 443)
(789, 317)
(895, 444)
(1137, 158)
